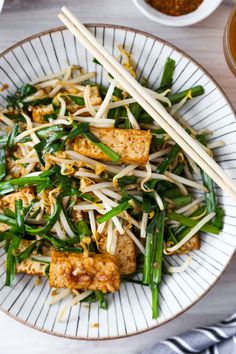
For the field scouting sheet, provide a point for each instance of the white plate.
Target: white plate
(129, 310)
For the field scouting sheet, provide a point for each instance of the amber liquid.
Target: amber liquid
(232, 38)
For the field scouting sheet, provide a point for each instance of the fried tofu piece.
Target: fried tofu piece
(28, 266)
(39, 111)
(25, 194)
(126, 253)
(95, 96)
(84, 271)
(8, 201)
(31, 267)
(132, 145)
(193, 244)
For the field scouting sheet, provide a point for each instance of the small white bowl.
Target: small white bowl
(203, 11)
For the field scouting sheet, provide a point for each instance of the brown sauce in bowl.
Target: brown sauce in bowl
(175, 7)
(230, 41)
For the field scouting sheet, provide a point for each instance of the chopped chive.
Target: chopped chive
(12, 135)
(167, 76)
(101, 298)
(169, 158)
(10, 264)
(20, 226)
(187, 221)
(113, 212)
(16, 183)
(78, 100)
(26, 253)
(2, 163)
(179, 96)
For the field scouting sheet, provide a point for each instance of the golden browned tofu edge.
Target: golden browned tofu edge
(126, 253)
(84, 272)
(193, 244)
(31, 267)
(132, 145)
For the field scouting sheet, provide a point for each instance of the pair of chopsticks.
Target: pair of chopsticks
(149, 104)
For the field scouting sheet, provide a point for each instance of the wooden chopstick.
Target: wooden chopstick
(151, 106)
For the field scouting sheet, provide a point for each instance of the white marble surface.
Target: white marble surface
(21, 18)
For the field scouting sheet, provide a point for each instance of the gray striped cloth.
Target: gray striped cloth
(218, 339)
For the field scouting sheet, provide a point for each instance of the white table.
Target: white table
(21, 18)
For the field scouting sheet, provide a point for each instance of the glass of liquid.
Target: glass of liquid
(230, 41)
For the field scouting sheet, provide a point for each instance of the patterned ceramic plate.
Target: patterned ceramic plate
(129, 310)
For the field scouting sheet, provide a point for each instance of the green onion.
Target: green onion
(102, 299)
(179, 96)
(169, 158)
(46, 132)
(136, 110)
(10, 264)
(41, 259)
(210, 196)
(17, 183)
(26, 253)
(147, 259)
(113, 212)
(6, 235)
(178, 169)
(63, 245)
(11, 136)
(181, 201)
(167, 77)
(148, 255)
(78, 100)
(158, 248)
(77, 130)
(107, 151)
(154, 289)
(184, 220)
(2, 163)
(20, 226)
(145, 118)
(51, 220)
(173, 193)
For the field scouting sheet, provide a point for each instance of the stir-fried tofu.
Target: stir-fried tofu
(132, 145)
(193, 244)
(126, 253)
(8, 201)
(31, 267)
(39, 111)
(84, 271)
(25, 194)
(95, 97)
(28, 266)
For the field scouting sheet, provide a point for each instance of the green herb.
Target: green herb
(181, 201)
(113, 212)
(169, 158)
(179, 96)
(167, 77)
(78, 100)
(102, 299)
(26, 253)
(187, 221)
(11, 137)
(2, 163)
(20, 226)
(11, 260)
(17, 183)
